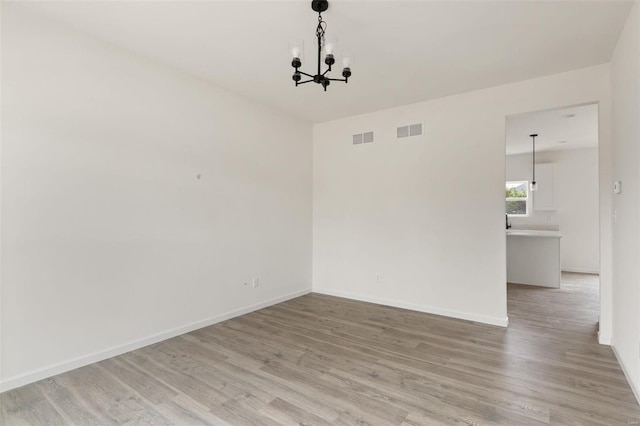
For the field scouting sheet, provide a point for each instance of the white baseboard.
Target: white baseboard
(581, 270)
(634, 388)
(604, 339)
(61, 367)
(501, 322)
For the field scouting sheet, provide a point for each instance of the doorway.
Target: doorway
(561, 210)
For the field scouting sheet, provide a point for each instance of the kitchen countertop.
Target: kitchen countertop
(533, 233)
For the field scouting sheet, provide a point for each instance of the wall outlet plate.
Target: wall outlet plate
(617, 187)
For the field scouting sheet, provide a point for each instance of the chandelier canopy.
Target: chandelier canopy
(320, 77)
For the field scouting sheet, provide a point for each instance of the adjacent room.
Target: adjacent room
(312, 212)
(552, 203)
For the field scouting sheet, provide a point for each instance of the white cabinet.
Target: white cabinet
(544, 198)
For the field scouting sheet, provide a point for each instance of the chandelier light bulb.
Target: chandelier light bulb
(346, 62)
(329, 48)
(296, 49)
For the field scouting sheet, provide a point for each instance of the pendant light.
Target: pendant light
(534, 185)
(320, 77)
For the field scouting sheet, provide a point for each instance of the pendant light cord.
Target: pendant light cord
(534, 159)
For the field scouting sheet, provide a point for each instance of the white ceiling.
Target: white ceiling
(557, 129)
(405, 51)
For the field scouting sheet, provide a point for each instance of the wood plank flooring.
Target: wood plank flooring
(321, 360)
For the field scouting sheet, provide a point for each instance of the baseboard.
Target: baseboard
(501, 322)
(604, 339)
(61, 367)
(634, 388)
(581, 270)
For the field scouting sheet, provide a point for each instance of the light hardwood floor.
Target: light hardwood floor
(321, 360)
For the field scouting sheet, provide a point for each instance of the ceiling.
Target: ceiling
(404, 51)
(558, 129)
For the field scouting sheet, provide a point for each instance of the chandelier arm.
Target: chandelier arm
(303, 82)
(336, 79)
(304, 73)
(328, 69)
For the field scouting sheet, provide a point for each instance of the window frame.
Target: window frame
(526, 199)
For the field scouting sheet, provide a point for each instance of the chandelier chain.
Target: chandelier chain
(321, 28)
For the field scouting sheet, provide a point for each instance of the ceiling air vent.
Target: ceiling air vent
(409, 130)
(359, 138)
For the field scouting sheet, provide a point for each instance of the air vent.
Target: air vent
(360, 138)
(409, 130)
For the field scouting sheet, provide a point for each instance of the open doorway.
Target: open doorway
(553, 244)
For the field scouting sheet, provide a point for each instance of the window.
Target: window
(517, 198)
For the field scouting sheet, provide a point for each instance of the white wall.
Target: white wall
(625, 90)
(420, 224)
(576, 195)
(109, 241)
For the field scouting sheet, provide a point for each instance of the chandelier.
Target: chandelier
(320, 77)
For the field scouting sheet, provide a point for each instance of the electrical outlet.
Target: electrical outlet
(256, 282)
